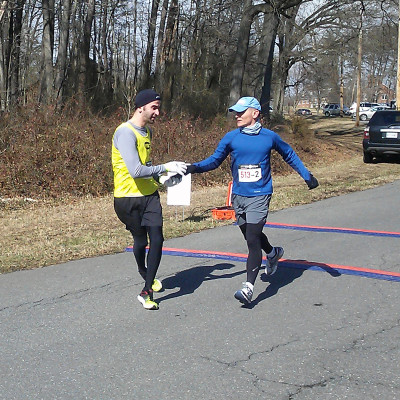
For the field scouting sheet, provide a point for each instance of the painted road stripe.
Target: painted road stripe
(299, 264)
(332, 229)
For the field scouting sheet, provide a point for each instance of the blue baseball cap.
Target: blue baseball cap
(244, 103)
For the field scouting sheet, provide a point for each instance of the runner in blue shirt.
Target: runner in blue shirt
(250, 148)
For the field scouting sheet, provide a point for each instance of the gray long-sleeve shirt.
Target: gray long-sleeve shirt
(125, 142)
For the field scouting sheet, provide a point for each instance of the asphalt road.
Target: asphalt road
(323, 327)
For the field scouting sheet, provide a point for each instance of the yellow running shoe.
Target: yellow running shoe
(156, 286)
(146, 299)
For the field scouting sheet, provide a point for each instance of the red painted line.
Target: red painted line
(331, 228)
(241, 255)
(345, 267)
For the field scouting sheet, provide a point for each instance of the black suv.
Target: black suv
(382, 135)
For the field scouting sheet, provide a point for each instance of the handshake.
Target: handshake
(179, 168)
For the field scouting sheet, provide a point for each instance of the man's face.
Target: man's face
(247, 117)
(150, 111)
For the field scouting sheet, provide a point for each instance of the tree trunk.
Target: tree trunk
(146, 70)
(160, 39)
(286, 42)
(84, 60)
(241, 53)
(136, 71)
(61, 64)
(282, 73)
(263, 52)
(15, 46)
(4, 16)
(46, 87)
(103, 36)
(3, 7)
(169, 54)
(271, 30)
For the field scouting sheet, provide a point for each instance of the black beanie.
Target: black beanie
(145, 97)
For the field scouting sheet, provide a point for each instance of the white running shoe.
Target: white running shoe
(244, 295)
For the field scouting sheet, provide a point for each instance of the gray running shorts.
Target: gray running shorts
(251, 209)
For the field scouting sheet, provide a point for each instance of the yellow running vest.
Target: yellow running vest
(124, 184)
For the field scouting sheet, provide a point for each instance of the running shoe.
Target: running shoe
(272, 262)
(244, 295)
(146, 299)
(156, 286)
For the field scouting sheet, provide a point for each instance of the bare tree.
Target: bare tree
(14, 50)
(249, 12)
(46, 88)
(146, 67)
(270, 27)
(294, 46)
(62, 61)
(160, 39)
(85, 71)
(4, 23)
(207, 52)
(169, 54)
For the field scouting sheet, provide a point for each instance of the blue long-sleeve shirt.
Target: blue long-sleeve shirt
(251, 162)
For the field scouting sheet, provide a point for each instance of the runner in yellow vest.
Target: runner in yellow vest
(136, 198)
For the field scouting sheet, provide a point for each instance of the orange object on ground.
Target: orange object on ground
(226, 212)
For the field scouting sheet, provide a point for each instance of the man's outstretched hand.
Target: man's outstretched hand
(312, 183)
(190, 169)
(178, 167)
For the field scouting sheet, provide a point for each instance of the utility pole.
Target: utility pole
(362, 9)
(398, 67)
(341, 87)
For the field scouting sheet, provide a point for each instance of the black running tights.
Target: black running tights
(256, 241)
(156, 239)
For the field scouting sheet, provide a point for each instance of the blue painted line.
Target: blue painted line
(304, 265)
(333, 230)
(341, 271)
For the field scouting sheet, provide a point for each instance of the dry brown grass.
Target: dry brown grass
(37, 234)
(44, 232)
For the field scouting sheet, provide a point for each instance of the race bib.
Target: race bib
(249, 173)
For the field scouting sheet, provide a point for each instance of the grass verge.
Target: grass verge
(45, 232)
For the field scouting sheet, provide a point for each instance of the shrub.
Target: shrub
(48, 153)
(45, 153)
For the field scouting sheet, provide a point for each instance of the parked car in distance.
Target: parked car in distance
(333, 109)
(367, 114)
(303, 111)
(382, 135)
(364, 106)
(346, 110)
(330, 110)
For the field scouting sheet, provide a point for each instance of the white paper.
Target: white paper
(179, 195)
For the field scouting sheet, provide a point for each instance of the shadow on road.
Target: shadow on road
(189, 280)
(286, 275)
